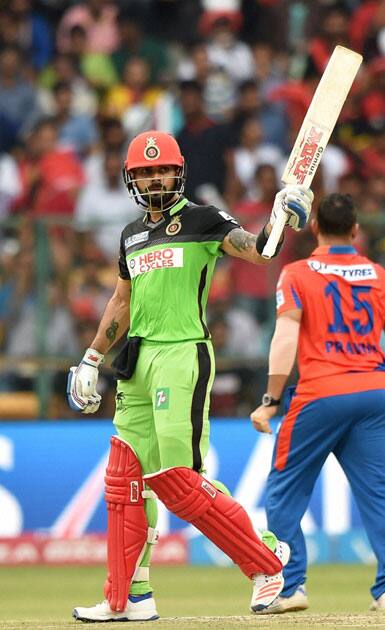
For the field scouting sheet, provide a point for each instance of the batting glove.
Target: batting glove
(296, 202)
(81, 384)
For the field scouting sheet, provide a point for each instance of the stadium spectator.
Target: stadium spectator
(270, 68)
(96, 67)
(333, 31)
(367, 27)
(18, 103)
(219, 91)
(373, 157)
(64, 68)
(234, 388)
(376, 187)
(225, 50)
(51, 175)
(135, 99)
(352, 183)
(103, 207)
(270, 113)
(251, 152)
(240, 323)
(204, 143)
(77, 131)
(335, 319)
(133, 42)
(32, 32)
(21, 340)
(99, 20)
(10, 184)
(194, 65)
(373, 100)
(112, 137)
(9, 250)
(253, 288)
(89, 291)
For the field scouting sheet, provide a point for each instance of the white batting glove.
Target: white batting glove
(81, 384)
(296, 202)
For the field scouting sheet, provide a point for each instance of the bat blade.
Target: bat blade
(317, 127)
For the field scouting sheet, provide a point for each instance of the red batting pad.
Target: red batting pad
(127, 523)
(218, 516)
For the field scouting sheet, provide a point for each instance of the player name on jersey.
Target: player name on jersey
(158, 259)
(351, 273)
(350, 347)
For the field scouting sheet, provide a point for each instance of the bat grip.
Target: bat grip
(275, 235)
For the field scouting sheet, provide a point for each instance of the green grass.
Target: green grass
(43, 597)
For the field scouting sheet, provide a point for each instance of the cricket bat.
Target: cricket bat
(317, 128)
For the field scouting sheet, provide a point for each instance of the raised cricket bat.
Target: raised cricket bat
(317, 128)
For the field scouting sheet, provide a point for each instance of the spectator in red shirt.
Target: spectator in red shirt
(373, 103)
(366, 21)
(373, 157)
(334, 30)
(254, 287)
(51, 175)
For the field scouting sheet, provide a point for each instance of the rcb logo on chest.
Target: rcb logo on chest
(174, 226)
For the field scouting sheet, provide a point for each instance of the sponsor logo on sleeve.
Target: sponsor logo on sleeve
(281, 277)
(351, 273)
(227, 217)
(280, 299)
(136, 238)
(160, 259)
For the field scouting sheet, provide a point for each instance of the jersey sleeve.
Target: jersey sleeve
(288, 295)
(381, 274)
(216, 224)
(123, 269)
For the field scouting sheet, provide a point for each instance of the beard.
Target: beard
(157, 199)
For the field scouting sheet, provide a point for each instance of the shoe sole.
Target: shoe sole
(286, 610)
(77, 617)
(85, 620)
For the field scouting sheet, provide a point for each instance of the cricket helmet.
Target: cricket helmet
(153, 148)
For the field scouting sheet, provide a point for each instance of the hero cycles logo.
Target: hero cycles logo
(309, 156)
(158, 259)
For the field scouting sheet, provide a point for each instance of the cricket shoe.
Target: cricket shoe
(268, 587)
(139, 608)
(297, 601)
(379, 604)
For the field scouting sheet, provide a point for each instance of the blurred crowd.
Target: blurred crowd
(232, 80)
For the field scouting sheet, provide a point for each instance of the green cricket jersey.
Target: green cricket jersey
(170, 265)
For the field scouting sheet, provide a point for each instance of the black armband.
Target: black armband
(262, 239)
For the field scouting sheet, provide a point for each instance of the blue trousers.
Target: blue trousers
(352, 426)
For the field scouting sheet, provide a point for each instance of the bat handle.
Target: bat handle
(275, 235)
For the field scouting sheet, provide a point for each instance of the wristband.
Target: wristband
(93, 357)
(262, 239)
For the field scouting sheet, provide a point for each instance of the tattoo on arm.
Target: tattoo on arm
(112, 330)
(242, 240)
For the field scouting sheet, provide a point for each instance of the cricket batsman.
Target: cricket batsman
(165, 373)
(331, 308)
